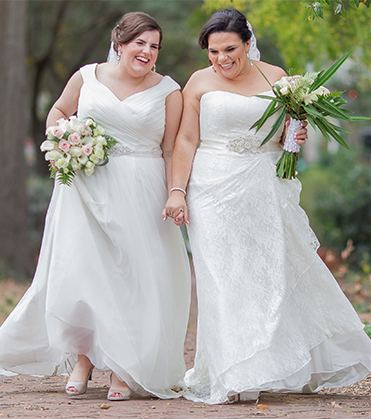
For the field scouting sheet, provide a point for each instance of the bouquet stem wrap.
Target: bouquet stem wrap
(286, 166)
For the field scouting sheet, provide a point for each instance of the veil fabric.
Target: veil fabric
(254, 53)
(112, 55)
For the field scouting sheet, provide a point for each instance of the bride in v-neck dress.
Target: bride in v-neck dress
(112, 283)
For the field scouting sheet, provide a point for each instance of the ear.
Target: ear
(247, 46)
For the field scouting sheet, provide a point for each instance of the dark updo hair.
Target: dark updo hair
(226, 20)
(132, 25)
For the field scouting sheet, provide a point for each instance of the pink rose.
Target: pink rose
(87, 150)
(64, 145)
(57, 132)
(74, 138)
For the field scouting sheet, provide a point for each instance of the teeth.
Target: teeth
(144, 60)
(226, 66)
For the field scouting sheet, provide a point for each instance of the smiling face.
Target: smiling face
(228, 54)
(140, 55)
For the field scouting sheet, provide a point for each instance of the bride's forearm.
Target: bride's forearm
(54, 115)
(182, 163)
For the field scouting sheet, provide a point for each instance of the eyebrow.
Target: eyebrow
(229, 46)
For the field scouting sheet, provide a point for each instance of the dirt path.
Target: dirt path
(30, 397)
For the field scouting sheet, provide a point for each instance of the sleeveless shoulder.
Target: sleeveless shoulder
(88, 71)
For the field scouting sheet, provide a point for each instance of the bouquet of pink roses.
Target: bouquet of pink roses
(75, 145)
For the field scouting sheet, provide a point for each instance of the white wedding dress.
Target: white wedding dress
(113, 279)
(270, 314)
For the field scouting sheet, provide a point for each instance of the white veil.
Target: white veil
(254, 53)
(112, 55)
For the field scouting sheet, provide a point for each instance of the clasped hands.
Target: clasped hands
(176, 208)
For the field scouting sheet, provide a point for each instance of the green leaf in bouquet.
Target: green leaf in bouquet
(331, 108)
(110, 141)
(315, 122)
(271, 110)
(65, 178)
(324, 76)
(359, 118)
(311, 110)
(275, 126)
(330, 130)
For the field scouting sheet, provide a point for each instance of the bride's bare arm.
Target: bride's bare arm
(66, 104)
(184, 151)
(174, 107)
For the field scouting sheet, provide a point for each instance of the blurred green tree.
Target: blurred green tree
(303, 44)
(63, 35)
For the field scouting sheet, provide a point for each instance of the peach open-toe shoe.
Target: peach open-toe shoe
(124, 394)
(81, 387)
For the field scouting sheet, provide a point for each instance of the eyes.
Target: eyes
(141, 43)
(215, 52)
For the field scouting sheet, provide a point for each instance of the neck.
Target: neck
(122, 73)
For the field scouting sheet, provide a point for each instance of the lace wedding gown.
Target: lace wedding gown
(271, 316)
(112, 280)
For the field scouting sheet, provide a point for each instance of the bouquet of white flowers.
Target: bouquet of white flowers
(304, 97)
(75, 145)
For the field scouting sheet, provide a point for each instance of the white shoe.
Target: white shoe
(81, 387)
(125, 394)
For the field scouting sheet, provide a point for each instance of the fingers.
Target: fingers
(164, 215)
(179, 220)
(302, 135)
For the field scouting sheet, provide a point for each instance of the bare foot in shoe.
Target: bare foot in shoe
(118, 388)
(81, 372)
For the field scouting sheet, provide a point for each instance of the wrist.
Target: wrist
(179, 190)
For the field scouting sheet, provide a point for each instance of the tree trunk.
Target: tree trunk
(15, 257)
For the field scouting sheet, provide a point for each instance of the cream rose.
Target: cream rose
(75, 151)
(93, 158)
(89, 168)
(101, 140)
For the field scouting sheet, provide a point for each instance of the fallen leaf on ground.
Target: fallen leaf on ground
(334, 404)
(104, 406)
(262, 406)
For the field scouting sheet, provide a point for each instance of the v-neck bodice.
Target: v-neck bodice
(137, 122)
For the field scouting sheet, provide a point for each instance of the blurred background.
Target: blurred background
(43, 42)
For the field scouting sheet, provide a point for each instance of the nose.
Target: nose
(222, 56)
(146, 48)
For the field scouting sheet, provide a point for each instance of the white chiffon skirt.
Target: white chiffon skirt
(112, 283)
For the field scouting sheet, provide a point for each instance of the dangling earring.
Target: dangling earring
(214, 70)
(251, 64)
(118, 56)
(154, 68)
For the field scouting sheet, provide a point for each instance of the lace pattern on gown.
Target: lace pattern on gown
(248, 144)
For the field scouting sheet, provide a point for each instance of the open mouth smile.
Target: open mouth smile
(143, 60)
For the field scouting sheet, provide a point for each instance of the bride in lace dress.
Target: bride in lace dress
(112, 285)
(270, 314)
